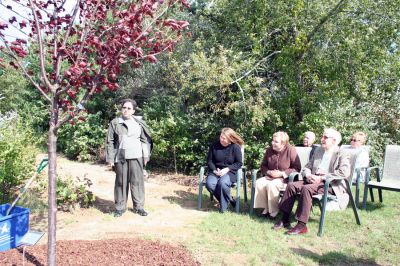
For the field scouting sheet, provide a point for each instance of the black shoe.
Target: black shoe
(118, 213)
(263, 215)
(141, 212)
(281, 224)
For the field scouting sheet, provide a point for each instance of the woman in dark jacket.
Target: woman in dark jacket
(224, 159)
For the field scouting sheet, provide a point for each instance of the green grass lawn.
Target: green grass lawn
(238, 239)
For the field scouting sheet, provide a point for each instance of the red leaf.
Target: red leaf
(151, 58)
(12, 19)
(136, 64)
(22, 24)
(3, 25)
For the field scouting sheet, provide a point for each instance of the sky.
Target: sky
(12, 32)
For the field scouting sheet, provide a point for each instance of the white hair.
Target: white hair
(310, 134)
(333, 133)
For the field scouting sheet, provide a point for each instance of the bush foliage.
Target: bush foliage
(17, 154)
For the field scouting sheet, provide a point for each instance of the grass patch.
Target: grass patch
(237, 239)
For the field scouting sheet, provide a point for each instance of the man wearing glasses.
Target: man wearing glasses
(128, 148)
(328, 161)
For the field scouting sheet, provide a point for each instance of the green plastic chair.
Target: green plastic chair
(302, 152)
(241, 179)
(387, 178)
(359, 171)
(328, 202)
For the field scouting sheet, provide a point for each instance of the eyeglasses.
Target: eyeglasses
(325, 137)
(353, 140)
(128, 108)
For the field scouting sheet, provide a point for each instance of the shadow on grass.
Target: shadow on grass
(372, 206)
(333, 258)
(189, 200)
(185, 199)
(105, 206)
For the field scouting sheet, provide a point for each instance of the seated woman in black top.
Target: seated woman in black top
(224, 159)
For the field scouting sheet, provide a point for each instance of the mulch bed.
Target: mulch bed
(103, 252)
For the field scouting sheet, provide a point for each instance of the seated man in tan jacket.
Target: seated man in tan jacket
(328, 161)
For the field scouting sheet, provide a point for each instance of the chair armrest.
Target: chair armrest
(377, 170)
(292, 176)
(253, 178)
(329, 179)
(201, 174)
(358, 175)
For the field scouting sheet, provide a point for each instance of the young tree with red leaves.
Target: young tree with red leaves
(80, 53)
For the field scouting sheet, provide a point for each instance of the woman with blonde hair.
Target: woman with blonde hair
(224, 160)
(357, 141)
(279, 161)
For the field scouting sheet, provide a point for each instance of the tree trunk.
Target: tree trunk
(176, 169)
(52, 204)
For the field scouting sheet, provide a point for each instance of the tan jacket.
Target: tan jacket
(339, 166)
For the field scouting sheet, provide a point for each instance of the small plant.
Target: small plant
(73, 194)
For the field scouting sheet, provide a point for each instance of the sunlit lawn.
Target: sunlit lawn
(232, 239)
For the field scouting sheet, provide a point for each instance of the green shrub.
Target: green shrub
(17, 154)
(72, 194)
(84, 140)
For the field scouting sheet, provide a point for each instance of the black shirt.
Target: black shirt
(221, 157)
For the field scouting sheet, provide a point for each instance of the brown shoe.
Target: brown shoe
(299, 229)
(279, 225)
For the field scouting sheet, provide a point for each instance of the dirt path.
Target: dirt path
(171, 214)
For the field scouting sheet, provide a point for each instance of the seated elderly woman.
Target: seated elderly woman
(279, 161)
(224, 160)
(308, 141)
(357, 141)
(328, 161)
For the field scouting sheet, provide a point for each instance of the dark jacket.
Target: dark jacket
(285, 160)
(221, 157)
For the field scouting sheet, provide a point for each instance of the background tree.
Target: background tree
(262, 66)
(81, 53)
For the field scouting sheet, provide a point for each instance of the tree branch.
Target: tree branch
(12, 55)
(41, 49)
(255, 66)
(69, 27)
(323, 20)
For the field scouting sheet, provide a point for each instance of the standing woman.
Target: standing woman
(224, 160)
(279, 161)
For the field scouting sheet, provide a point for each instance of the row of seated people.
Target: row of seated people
(225, 158)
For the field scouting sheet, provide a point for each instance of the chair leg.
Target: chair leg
(372, 194)
(353, 204)
(200, 196)
(357, 194)
(237, 208)
(323, 212)
(365, 196)
(244, 186)
(380, 195)
(252, 194)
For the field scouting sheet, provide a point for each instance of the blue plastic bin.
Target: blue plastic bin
(13, 226)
